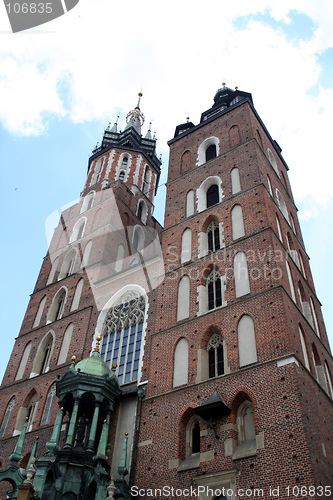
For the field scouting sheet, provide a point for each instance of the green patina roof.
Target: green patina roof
(93, 366)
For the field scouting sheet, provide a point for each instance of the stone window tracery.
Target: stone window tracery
(214, 290)
(122, 336)
(215, 356)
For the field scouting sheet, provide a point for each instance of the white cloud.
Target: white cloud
(178, 53)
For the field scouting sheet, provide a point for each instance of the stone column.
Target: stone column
(93, 428)
(53, 445)
(70, 435)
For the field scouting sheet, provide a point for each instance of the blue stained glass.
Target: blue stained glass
(122, 360)
(135, 375)
(123, 350)
(130, 348)
(125, 333)
(136, 364)
(127, 377)
(121, 370)
(108, 357)
(129, 357)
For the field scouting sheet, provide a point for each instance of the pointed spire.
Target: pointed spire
(135, 118)
(32, 457)
(16, 456)
(122, 469)
(148, 134)
(114, 129)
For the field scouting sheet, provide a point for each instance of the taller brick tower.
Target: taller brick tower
(240, 371)
(201, 367)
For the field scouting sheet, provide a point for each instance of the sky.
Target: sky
(63, 82)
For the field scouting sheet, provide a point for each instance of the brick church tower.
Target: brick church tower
(213, 369)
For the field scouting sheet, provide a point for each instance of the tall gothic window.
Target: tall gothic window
(210, 152)
(215, 356)
(122, 336)
(49, 406)
(212, 195)
(213, 235)
(7, 417)
(214, 290)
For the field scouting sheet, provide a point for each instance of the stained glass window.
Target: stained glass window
(122, 336)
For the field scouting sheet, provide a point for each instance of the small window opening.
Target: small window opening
(212, 195)
(210, 152)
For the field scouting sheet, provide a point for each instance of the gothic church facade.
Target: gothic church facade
(189, 356)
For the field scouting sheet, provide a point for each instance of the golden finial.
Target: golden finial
(62, 408)
(187, 118)
(104, 421)
(26, 418)
(126, 433)
(73, 358)
(223, 84)
(98, 338)
(114, 365)
(236, 88)
(140, 94)
(37, 437)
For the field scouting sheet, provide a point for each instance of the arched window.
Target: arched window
(26, 412)
(301, 261)
(77, 295)
(246, 341)
(292, 222)
(215, 356)
(320, 371)
(139, 214)
(211, 152)
(234, 136)
(185, 162)
(314, 315)
(237, 222)
(183, 302)
(121, 175)
(138, 239)
(290, 280)
(31, 410)
(212, 195)
(24, 361)
(88, 201)
(214, 290)
(304, 350)
(66, 341)
(329, 380)
(305, 306)
(142, 212)
(146, 180)
(235, 181)
(205, 147)
(241, 275)
(247, 445)
(57, 306)
(190, 203)
(68, 264)
(193, 436)
(124, 162)
(78, 229)
(180, 370)
(7, 417)
(269, 185)
(213, 236)
(50, 400)
(122, 336)
(97, 171)
(272, 160)
(278, 228)
(186, 246)
(39, 312)
(53, 270)
(86, 254)
(282, 204)
(120, 258)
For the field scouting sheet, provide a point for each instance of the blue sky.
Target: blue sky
(61, 83)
